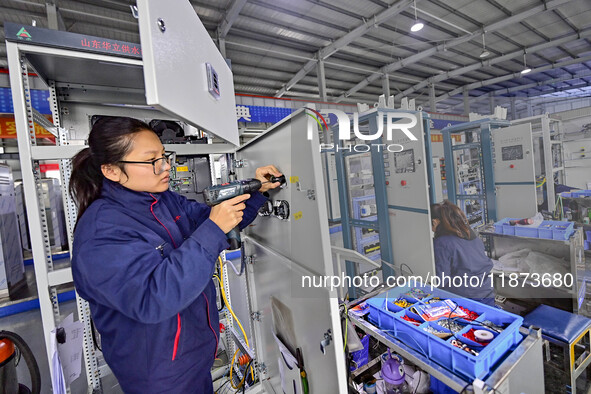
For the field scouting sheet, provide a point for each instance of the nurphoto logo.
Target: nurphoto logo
(392, 121)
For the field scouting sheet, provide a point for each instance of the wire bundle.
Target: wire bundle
(221, 279)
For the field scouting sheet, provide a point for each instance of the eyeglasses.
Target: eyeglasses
(159, 164)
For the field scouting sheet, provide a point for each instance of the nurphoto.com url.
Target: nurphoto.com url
(513, 280)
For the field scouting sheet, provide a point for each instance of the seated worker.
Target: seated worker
(459, 251)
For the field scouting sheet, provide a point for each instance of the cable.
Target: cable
(220, 286)
(232, 369)
(243, 376)
(29, 357)
(346, 329)
(241, 384)
(238, 273)
(465, 387)
(219, 390)
(232, 312)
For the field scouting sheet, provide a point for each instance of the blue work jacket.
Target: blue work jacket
(144, 262)
(456, 257)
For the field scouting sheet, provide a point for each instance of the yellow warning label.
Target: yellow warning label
(181, 169)
(297, 215)
(294, 179)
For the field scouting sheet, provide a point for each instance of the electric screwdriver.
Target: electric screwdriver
(216, 194)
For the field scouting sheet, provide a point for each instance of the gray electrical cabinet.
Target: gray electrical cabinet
(12, 269)
(409, 206)
(513, 160)
(176, 56)
(286, 249)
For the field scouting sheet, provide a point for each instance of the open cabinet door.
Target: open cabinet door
(515, 177)
(287, 250)
(184, 73)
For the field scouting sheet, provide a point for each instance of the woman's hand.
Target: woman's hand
(263, 174)
(228, 214)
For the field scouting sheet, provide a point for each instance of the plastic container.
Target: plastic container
(531, 232)
(545, 229)
(503, 227)
(562, 230)
(587, 245)
(548, 229)
(581, 193)
(441, 350)
(393, 375)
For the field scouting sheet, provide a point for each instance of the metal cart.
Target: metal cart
(507, 377)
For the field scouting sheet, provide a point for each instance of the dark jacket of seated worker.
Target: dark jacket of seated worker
(460, 253)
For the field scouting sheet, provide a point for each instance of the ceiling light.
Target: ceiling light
(484, 52)
(526, 69)
(418, 25)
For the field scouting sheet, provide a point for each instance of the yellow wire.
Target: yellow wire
(233, 315)
(232, 369)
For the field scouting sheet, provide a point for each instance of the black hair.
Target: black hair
(452, 221)
(109, 141)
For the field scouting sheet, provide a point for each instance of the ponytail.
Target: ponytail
(86, 182)
(109, 141)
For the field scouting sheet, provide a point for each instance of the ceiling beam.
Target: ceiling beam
(230, 18)
(344, 41)
(492, 81)
(54, 16)
(533, 85)
(490, 62)
(556, 90)
(457, 41)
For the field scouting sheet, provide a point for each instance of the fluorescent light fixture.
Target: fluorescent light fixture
(484, 52)
(526, 69)
(418, 25)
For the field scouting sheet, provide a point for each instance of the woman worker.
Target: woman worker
(143, 257)
(460, 253)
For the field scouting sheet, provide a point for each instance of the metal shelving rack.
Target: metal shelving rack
(121, 79)
(487, 195)
(30, 154)
(550, 130)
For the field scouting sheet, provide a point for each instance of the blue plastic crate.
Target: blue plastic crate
(440, 350)
(588, 235)
(587, 245)
(562, 230)
(581, 193)
(503, 227)
(545, 229)
(531, 232)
